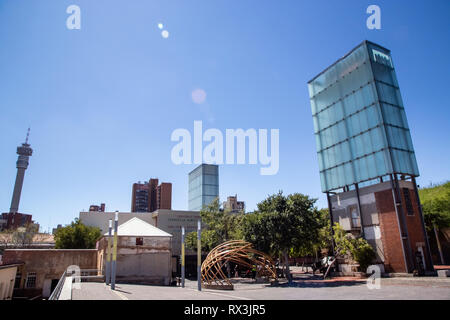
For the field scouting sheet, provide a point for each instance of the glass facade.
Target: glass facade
(359, 120)
(203, 186)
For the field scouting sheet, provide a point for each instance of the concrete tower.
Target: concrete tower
(24, 153)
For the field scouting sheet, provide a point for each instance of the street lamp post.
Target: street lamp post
(183, 271)
(114, 256)
(108, 255)
(199, 256)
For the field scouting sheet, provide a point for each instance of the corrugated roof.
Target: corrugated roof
(136, 227)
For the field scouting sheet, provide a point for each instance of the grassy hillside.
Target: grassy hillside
(435, 191)
(436, 204)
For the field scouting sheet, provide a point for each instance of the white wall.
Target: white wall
(7, 278)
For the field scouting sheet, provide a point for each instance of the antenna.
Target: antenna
(28, 134)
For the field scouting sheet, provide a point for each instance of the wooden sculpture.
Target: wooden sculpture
(240, 252)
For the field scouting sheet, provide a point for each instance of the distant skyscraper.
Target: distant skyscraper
(24, 153)
(149, 197)
(203, 186)
(152, 194)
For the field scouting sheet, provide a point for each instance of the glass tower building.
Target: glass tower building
(203, 186)
(363, 140)
(359, 120)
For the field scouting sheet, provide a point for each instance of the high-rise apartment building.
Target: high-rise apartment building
(203, 186)
(366, 157)
(149, 196)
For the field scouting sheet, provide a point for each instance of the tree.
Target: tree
(282, 223)
(436, 205)
(218, 226)
(77, 236)
(436, 210)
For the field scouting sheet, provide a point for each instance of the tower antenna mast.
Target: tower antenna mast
(28, 134)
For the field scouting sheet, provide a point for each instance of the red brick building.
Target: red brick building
(390, 219)
(149, 196)
(14, 220)
(164, 196)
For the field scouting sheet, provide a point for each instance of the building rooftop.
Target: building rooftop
(346, 55)
(138, 228)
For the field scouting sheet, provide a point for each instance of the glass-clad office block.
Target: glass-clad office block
(203, 186)
(359, 120)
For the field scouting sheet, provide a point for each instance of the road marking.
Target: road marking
(223, 295)
(121, 296)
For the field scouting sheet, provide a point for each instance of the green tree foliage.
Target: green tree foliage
(77, 236)
(218, 226)
(347, 246)
(436, 205)
(283, 224)
(208, 237)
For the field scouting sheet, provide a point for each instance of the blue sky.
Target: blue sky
(103, 101)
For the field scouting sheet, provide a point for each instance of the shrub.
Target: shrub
(363, 253)
(356, 248)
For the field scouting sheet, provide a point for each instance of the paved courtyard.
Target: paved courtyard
(305, 287)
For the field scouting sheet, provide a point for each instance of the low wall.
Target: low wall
(48, 264)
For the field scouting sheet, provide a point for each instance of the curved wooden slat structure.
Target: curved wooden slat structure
(239, 252)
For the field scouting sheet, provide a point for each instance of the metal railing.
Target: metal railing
(57, 291)
(84, 274)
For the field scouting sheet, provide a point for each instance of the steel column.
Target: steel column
(427, 244)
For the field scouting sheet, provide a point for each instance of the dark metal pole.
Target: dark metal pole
(360, 210)
(183, 271)
(330, 211)
(430, 266)
(406, 246)
(199, 256)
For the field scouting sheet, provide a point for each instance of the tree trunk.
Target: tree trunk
(286, 263)
(436, 234)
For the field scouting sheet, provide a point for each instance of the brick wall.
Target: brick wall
(48, 264)
(390, 234)
(414, 223)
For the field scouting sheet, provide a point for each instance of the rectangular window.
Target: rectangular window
(139, 241)
(356, 221)
(408, 203)
(31, 280)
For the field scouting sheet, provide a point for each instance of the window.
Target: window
(31, 280)
(408, 203)
(356, 222)
(139, 241)
(18, 279)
